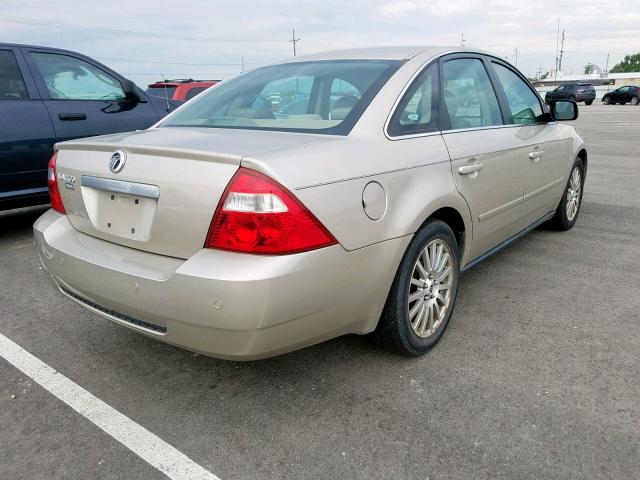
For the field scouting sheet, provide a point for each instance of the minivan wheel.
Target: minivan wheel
(588, 102)
(635, 101)
(569, 207)
(606, 100)
(423, 294)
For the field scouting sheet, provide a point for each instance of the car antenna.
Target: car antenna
(166, 95)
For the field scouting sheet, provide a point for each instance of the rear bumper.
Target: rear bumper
(586, 97)
(222, 304)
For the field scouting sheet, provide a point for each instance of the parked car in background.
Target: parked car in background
(627, 94)
(180, 90)
(49, 95)
(576, 92)
(233, 231)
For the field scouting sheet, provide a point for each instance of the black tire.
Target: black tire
(394, 329)
(588, 102)
(635, 101)
(606, 101)
(561, 220)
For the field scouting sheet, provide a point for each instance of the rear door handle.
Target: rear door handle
(469, 169)
(72, 116)
(535, 155)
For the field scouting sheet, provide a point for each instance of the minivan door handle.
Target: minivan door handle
(72, 116)
(469, 169)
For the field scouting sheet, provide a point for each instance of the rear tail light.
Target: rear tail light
(258, 215)
(52, 180)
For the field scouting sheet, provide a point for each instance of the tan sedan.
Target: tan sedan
(339, 193)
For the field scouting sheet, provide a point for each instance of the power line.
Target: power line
(118, 31)
(179, 63)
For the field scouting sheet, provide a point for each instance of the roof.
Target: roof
(378, 53)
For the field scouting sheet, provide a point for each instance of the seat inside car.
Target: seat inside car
(342, 107)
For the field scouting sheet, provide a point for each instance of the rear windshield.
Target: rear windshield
(195, 91)
(318, 97)
(161, 91)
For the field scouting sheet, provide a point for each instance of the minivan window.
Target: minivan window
(194, 92)
(12, 85)
(316, 96)
(417, 112)
(161, 91)
(69, 78)
(523, 103)
(468, 94)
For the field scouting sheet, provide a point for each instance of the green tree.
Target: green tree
(631, 63)
(588, 68)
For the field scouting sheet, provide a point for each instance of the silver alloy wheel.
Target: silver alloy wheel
(430, 288)
(573, 193)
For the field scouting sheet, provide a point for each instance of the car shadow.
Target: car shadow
(17, 223)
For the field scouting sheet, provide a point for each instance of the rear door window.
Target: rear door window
(468, 94)
(523, 103)
(12, 86)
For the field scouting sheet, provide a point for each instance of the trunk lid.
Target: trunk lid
(165, 195)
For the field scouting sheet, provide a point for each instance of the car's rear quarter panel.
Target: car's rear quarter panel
(415, 174)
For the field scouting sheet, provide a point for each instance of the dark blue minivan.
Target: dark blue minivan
(49, 95)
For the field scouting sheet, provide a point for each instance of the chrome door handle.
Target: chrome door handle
(535, 155)
(469, 169)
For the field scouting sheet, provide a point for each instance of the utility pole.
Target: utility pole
(516, 53)
(294, 40)
(462, 40)
(561, 51)
(557, 44)
(242, 70)
(606, 69)
(539, 76)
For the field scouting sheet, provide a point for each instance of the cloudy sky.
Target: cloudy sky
(208, 38)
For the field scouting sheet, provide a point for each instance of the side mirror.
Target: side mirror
(130, 91)
(564, 110)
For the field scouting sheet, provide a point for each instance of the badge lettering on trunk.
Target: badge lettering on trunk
(68, 180)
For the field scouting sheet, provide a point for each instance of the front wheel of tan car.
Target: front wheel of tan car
(423, 293)
(569, 207)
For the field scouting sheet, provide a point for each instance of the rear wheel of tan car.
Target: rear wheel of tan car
(423, 293)
(569, 207)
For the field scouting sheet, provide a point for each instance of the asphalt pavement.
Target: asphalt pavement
(537, 377)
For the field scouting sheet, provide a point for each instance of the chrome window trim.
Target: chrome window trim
(472, 129)
(119, 186)
(418, 71)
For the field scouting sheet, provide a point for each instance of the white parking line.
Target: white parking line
(152, 449)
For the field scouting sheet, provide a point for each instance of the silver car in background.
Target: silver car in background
(243, 227)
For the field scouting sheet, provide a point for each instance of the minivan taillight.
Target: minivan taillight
(52, 180)
(258, 215)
